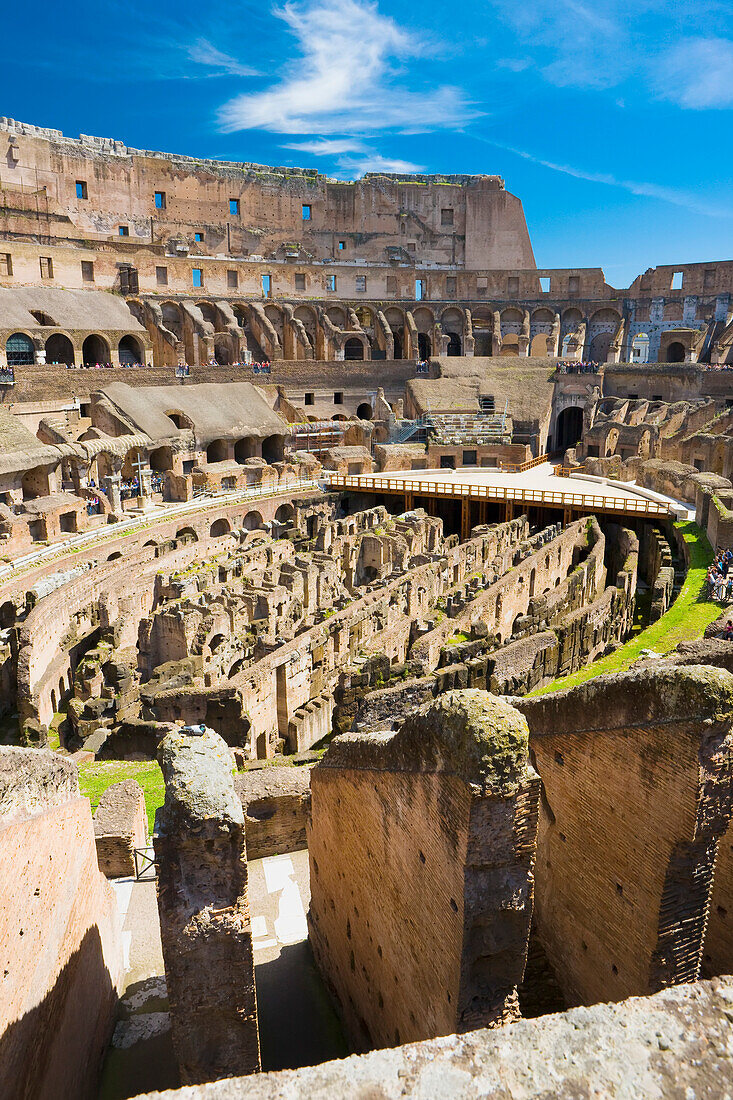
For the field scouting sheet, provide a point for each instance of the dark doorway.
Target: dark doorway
(569, 427)
(95, 350)
(59, 349)
(676, 352)
(353, 350)
(454, 343)
(424, 345)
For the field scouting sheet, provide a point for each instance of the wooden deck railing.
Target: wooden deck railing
(520, 467)
(549, 498)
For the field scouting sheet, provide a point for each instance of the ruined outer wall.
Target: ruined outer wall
(60, 939)
(636, 774)
(421, 852)
(486, 223)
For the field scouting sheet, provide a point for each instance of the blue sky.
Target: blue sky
(612, 123)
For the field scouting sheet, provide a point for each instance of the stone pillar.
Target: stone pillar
(204, 911)
(432, 940)
(111, 487)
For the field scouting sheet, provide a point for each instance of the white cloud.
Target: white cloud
(328, 147)
(373, 162)
(647, 190)
(344, 82)
(353, 158)
(202, 52)
(697, 73)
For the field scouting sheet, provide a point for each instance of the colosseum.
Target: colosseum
(366, 650)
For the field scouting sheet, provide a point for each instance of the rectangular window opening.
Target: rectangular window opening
(677, 280)
(361, 284)
(124, 231)
(330, 282)
(87, 271)
(234, 206)
(342, 246)
(46, 267)
(446, 216)
(545, 284)
(81, 189)
(232, 279)
(161, 276)
(300, 282)
(198, 237)
(338, 398)
(160, 203)
(419, 289)
(306, 212)
(267, 285)
(310, 399)
(198, 276)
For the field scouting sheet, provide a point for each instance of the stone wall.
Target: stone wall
(421, 851)
(204, 911)
(120, 826)
(276, 803)
(675, 1043)
(60, 938)
(636, 777)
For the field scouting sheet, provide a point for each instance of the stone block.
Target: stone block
(120, 826)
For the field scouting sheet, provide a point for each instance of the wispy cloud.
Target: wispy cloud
(691, 202)
(344, 82)
(660, 47)
(202, 52)
(697, 73)
(327, 147)
(354, 158)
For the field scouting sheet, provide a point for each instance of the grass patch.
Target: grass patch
(685, 621)
(97, 775)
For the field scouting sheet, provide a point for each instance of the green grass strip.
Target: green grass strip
(685, 621)
(97, 775)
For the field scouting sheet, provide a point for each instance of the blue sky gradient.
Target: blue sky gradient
(611, 125)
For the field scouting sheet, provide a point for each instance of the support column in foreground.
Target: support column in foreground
(204, 911)
(422, 853)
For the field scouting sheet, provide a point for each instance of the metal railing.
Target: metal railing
(547, 497)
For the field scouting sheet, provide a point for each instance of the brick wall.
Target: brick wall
(60, 939)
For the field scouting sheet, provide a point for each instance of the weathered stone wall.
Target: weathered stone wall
(421, 850)
(636, 774)
(60, 938)
(676, 1042)
(276, 803)
(204, 911)
(120, 826)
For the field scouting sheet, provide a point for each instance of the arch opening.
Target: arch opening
(95, 349)
(59, 349)
(19, 350)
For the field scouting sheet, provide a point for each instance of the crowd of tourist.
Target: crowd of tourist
(720, 577)
(261, 368)
(577, 367)
(422, 366)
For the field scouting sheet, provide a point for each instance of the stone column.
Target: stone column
(111, 487)
(204, 911)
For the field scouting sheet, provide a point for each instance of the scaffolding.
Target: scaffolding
(317, 436)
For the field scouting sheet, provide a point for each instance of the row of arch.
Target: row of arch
(20, 350)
